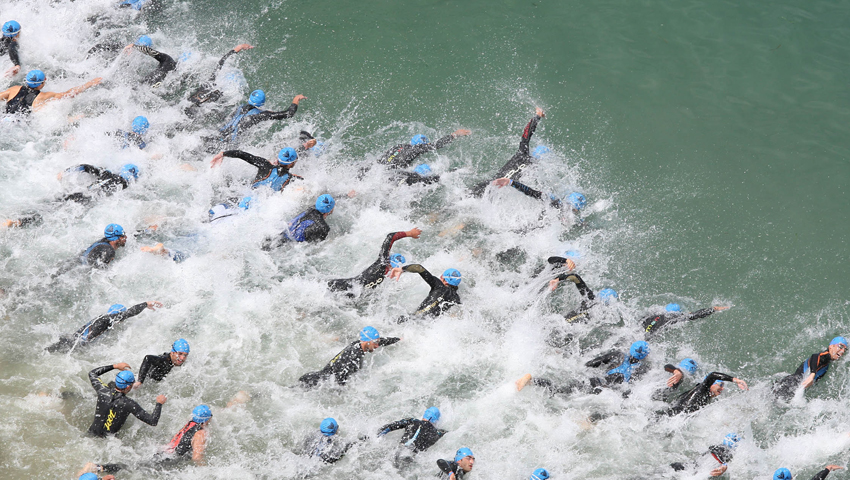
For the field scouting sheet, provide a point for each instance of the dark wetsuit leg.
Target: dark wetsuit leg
(63, 345)
(785, 388)
(313, 378)
(341, 284)
(555, 389)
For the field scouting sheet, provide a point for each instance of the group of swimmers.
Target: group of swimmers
(114, 406)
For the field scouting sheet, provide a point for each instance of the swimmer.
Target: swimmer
(721, 454)
(139, 127)
(558, 338)
(421, 174)
(673, 314)
(9, 44)
(811, 370)
(247, 115)
(105, 182)
(574, 200)
(100, 253)
(308, 226)
(375, 273)
(324, 444)
(687, 368)
(539, 474)
(404, 154)
(113, 407)
(156, 367)
(418, 435)
(87, 333)
(631, 367)
(702, 394)
(443, 294)
(274, 172)
(462, 464)
(165, 62)
(190, 441)
(785, 474)
(522, 158)
(25, 98)
(206, 92)
(347, 362)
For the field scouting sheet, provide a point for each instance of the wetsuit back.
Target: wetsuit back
(418, 434)
(818, 363)
(441, 297)
(181, 444)
(344, 364)
(403, 155)
(113, 407)
(22, 102)
(155, 367)
(98, 255)
(328, 449)
(232, 127)
(309, 226)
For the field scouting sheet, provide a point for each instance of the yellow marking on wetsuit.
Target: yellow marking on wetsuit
(374, 284)
(429, 307)
(109, 419)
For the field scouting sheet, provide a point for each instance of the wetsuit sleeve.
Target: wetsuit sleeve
(158, 56)
(390, 239)
(582, 287)
(821, 475)
(96, 373)
(445, 465)
(425, 274)
(150, 418)
(13, 53)
(384, 341)
(145, 369)
(220, 64)
(715, 376)
(606, 358)
(85, 168)
(527, 133)
(702, 313)
(527, 190)
(267, 115)
(254, 160)
(395, 426)
(444, 141)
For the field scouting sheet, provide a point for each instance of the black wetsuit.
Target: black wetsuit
(125, 139)
(374, 273)
(627, 369)
(246, 116)
(553, 201)
(721, 453)
(447, 467)
(328, 449)
(403, 155)
(412, 178)
(652, 323)
(821, 475)
(155, 367)
(343, 365)
(699, 396)
(309, 226)
(98, 255)
(113, 407)
(418, 435)
(106, 183)
(817, 363)
(521, 159)
(166, 64)
(441, 297)
(207, 92)
(10, 45)
(665, 394)
(22, 102)
(95, 328)
(275, 177)
(581, 314)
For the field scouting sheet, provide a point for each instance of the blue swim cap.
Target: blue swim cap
(129, 171)
(688, 365)
(839, 341)
(141, 125)
(432, 414)
(463, 453)
(369, 334)
(731, 440)
(136, 4)
(397, 260)
(329, 427)
(540, 151)
(419, 140)
(607, 295)
(572, 254)
(325, 203)
(245, 203)
(88, 476)
(124, 379)
(35, 78)
(673, 307)
(576, 200)
(180, 346)
(639, 350)
(201, 414)
(318, 149)
(11, 28)
(257, 98)
(116, 308)
(113, 231)
(452, 277)
(185, 56)
(540, 473)
(422, 169)
(782, 474)
(144, 41)
(287, 156)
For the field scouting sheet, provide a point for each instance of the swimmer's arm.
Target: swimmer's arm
(823, 473)
(391, 238)
(701, 313)
(677, 376)
(199, 444)
(145, 368)
(425, 274)
(384, 341)
(150, 418)
(809, 381)
(8, 95)
(97, 372)
(529, 131)
(562, 262)
(394, 426)
(254, 160)
(13, 56)
(44, 97)
(610, 357)
(442, 142)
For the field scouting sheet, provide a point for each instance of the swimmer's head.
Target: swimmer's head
(325, 203)
(180, 346)
(116, 308)
(201, 414)
(639, 350)
(144, 41)
(782, 474)
(422, 169)
(540, 151)
(837, 347)
(731, 440)
(716, 388)
(576, 200)
(539, 474)
(329, 427)
(688, 365)
(129, 172)
(257, 98)
(419, 140)
(113, 232)
(397, 260)
(432, 414)
(369, 334)
(452, 277)
(88, 476)
(35, 78)
(124, 379)
(673, 307)
(607, 295)
(141, 125)
(11, 29)
(287, 156)
(179, 352)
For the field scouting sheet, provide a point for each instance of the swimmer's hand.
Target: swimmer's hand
(833, 467)
(539, 112)
(741, 384)
(719, 471)
(461, 132)
(309, 144)
(217, 159)
(673, 380)
(137, 385)
(522, 382)
(121, 366)
(298, 98)
(160, 399)
(153, 304)
(244, 46)
(502, 182)
(553, 284)
(719, 308)
(12, 71)
(395, 273)
(413, 232)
